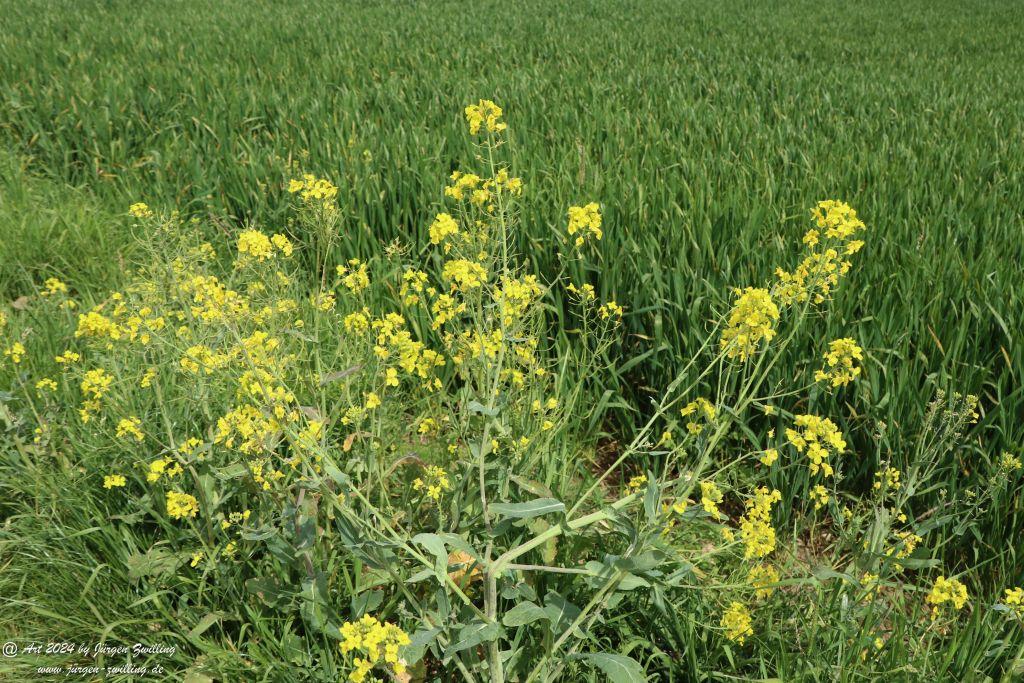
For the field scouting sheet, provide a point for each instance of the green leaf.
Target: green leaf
(155, 562)
(268, 590)
(560, 612)
(236, 471)
(618, 668)
(477, 407)
(523, 613)
(435, 545)
(418, 644)
(474, 634)
(531, 486)
(533, 508)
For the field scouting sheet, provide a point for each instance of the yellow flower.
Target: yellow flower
(355, 276)
(710, 497)
(484, 114)
(769, 456)
(761, 577)
(113, 481)
(282, 244)
(585, 221)
(46, 384)
(255, 244)
(54, 286)
(820, 438)
(755, 525)
(751, 321)
(443, 227)
(610, 310)
(1014, 599)
(887, 480)
(130, 427)
(736, 622)
(636, 482)
(434, 482)
(946, 591)
(181, 505)
(163, 467)
(840, 363)
(139, 210)
(819, 494)
(464, 274)
(869, 582)
(15, 352)
(313, 189)
(147, 377)
(1009, 463)
(378, 642)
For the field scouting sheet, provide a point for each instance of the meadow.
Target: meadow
(557, 464)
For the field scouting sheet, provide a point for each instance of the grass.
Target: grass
(705, 131)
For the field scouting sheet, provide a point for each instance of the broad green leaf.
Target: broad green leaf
(524, 613)
(472, 635)
(618, 668)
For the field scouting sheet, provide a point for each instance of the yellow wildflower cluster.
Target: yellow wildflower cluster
(163, 467)
(710, 497)
(15, 352)
(515, 296)
(464, 274)
(756, 529)
(443, 227)
(700, 411)
(395, 342)
(820, 496)
(946, 591)
(584, 222)
(130, 427)
(113, 481)
(762, 578)
(69, 357)
(484, 114)
(904, 544)
(1013, 598)
(582, 294)
(434, 482)
(140, 210)
(819, 273)
(53, 287)
(355, 276)
(181, 505)
(636, 482)
(819, 438)
(94, 386)
(1009, 462)
(312, 189)
(378, 642)
(887, 479)
(46, 384)
(840, 363)
(751, 321)
(253, 244)
(737, 623)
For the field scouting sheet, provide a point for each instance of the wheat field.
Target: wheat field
(511, 342)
